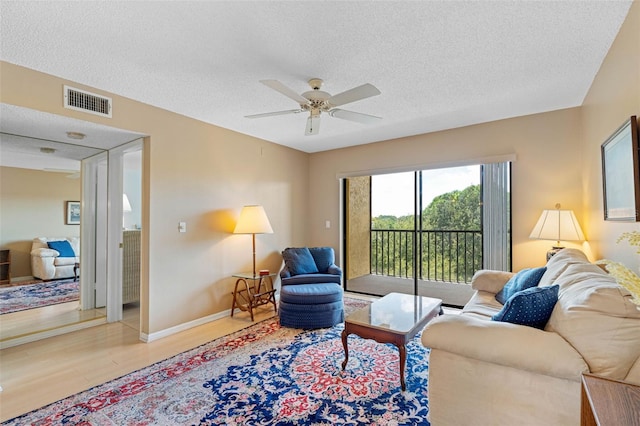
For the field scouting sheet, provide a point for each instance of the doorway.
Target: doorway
(426, 232)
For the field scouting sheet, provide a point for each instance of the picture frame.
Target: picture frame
(621, 173)
(73, 213)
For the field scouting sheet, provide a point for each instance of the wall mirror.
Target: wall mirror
(42, 162)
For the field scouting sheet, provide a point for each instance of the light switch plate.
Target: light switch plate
(182, 227)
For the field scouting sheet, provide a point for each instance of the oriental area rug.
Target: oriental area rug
(262, 375)
(29, 296)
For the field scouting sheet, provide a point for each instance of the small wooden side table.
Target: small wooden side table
(608, 402)
(252, 291)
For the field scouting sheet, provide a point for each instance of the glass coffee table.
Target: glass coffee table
(396, 318)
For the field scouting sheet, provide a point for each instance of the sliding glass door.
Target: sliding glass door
(424, 232)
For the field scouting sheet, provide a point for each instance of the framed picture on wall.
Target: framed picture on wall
(621, 173)
(73, 213)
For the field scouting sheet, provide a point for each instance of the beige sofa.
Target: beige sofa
(484, 372)
(47, 264)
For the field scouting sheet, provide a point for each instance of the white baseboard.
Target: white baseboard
(182, 327)
(32, 337)
(20, 279)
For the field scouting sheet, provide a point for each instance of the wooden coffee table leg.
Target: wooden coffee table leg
(403, 361)
(346, 348)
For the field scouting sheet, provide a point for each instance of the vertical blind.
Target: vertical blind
(495, 216)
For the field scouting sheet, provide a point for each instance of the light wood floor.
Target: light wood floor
(35, 374)
(31, 321)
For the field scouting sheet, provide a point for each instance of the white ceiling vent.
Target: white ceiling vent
(81, 100)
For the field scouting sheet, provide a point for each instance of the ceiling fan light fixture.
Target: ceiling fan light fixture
(315, 83)
(47, 150)
(317, 101)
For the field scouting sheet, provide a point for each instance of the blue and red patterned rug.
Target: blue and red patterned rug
(262, 375)
(29, 296)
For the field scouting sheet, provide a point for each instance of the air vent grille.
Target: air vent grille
(81, 100)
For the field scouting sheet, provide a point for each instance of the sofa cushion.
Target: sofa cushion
(531, 307)
(323, 257)
(311, 294)
(560, 262)
(482, 304)
(311, 279)
(524, 279)
(65, 261)
(506, 344)
(299, 261)
(63, 247)
(596, 316)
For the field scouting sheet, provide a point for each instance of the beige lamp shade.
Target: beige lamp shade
(253, 220)
(558, 225)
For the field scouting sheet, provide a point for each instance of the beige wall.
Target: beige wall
(33, 204)
(614, 97)
(200, 174)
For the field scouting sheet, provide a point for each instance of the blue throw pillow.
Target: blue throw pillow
(524, 279)
(323, 257)
(63, 247)
(531, 307)
(299, 261)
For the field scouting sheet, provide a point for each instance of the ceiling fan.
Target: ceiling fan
(317, 101)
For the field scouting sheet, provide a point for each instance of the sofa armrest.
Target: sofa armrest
(44, 252)
(510, 345)
(334, 270)
(284, 273)
(490, 280)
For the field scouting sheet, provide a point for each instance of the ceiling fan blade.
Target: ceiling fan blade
(354, 116)
(279, 87)
(270, 114)
(357, 93)
(313, 125)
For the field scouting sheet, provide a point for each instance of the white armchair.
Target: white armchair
(47, 264)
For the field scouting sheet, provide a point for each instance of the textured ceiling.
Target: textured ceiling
(439, 65)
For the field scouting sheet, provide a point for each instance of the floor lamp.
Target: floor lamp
(253, 220)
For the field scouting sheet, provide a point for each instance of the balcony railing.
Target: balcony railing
(449, 256)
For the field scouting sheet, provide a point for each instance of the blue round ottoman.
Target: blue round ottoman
(311, 305)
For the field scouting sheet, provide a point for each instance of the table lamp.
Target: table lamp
(253, 220)
(557, 225)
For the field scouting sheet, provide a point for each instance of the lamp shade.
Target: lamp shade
(126, 205)
(253, 220)
(558, 225)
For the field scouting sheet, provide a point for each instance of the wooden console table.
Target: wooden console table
(254, 291)
(608, 402)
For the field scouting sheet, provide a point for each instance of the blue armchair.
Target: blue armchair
(311, 291)
(310, 265)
